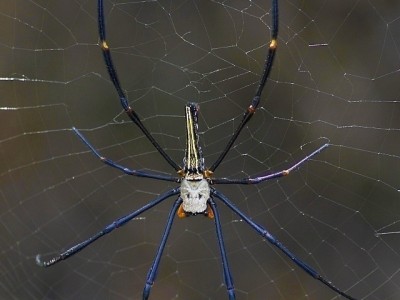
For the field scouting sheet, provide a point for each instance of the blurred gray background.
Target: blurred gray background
(335, 80)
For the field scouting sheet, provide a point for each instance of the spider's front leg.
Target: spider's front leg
(196, 199)
(106, 230)
(151, 275)
(274, 241)
(227, 272)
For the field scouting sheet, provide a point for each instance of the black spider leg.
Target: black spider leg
(227, 273)
(126, 170)
(264, 177)
(270, 238)
(114, 225)
(151, 275)
(256, 99)
(114, 78)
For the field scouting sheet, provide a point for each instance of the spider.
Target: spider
(196, 193)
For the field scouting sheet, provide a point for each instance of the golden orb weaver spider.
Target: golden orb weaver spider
(196, 194)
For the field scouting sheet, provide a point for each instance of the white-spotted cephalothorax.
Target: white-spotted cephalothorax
(195, 194)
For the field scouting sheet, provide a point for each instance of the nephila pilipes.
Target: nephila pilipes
(196, 193)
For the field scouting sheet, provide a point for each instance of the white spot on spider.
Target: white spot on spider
(195, 194)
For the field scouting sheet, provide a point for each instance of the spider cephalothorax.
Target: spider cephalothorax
(195, 195)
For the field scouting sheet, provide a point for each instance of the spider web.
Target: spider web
(335, 79)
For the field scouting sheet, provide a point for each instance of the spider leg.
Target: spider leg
(114, 78)
(256, 99)
(114, 225)
(122, 168)
(270, 238)
(151, 275)
(261, 178)
(227, 273)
